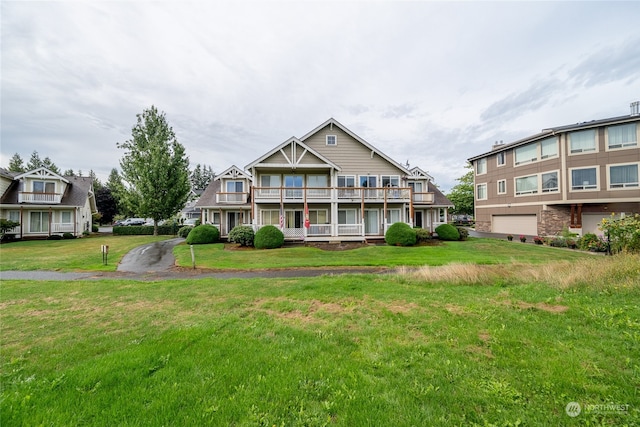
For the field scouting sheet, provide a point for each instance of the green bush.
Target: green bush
(184, 231)
(558, 242)
(54, 237)
(268, 237)
(203, 234)
(447, 232)
(464, 233)
(422, 235)
(68, 236)
(592, 243)
(242, 234)
(400, 234)
(95, 228)
(623, 233)
(136, 230)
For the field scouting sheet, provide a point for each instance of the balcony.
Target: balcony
(423, 198)
(339, 194)
(232, 198)
(44, 198)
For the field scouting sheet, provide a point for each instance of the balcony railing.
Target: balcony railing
(394, 194)
(232, 197)
(24, 197)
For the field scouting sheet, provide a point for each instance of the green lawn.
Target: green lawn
(354, 350)
(473, 251)
(69, 255)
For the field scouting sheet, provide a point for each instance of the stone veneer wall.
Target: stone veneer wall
(483, 226)
(553, 220)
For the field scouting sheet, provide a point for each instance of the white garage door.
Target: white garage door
(515, 224)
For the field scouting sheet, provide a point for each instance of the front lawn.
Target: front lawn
(472, 251)
(510, 347)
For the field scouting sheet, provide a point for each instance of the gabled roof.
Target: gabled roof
(208, 196)
(78, 190)
(417, 173)
(5, 173)
(235, 173)
(545, 133)
(41, 173)
(334, 122)
(439, 199)
(288, 142)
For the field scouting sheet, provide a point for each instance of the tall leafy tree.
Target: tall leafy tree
(115, 185)
(106, 204)
(16, 164)
(461, 195)
(155, 168)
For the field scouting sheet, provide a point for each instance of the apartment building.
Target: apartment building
(568, 176)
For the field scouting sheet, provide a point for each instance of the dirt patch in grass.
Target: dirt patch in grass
(541, 306)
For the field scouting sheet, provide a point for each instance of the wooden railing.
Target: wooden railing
(24, 197)
(232, 197)
(398, 194)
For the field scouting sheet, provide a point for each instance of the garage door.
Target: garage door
(515, 224)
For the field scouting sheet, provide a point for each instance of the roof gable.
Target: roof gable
(417, 173)
(42, 173)
(293, 153)
(234, 172)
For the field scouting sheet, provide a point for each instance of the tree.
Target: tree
(34, 161)
(69, 172)
(115, 185)
(201, 176)
(155, 168)
(106, 204)
(47, 163)
(461, 195)
(16, 164)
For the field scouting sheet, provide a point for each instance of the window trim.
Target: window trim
(579, 190)
(355, 213)
(482, 160)
(501, 181)
(539, 190)
(626, 146)
(328, 138)
(486, 192)
(579, 153)
(531, 193)
(502, 154)
(624, 187)
(539, 156)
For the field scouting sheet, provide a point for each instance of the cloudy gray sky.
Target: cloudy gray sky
(429, 82)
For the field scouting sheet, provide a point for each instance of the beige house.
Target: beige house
(45, 203)
(329, 185)
(568, 176)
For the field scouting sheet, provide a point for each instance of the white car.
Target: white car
(191, 221)
(134, 221)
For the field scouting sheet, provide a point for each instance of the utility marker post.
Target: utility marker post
(105, 253)
(193, 257)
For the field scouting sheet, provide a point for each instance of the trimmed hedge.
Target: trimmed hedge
(184, 231)
(422, 235)
(447, 232)
(242, 234)
(203, 234)
(464, 233)
(137, 230)
(400, 234)
(268, 237)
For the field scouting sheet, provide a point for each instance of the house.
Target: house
(45, 203)
(328, 185)
(568, 176)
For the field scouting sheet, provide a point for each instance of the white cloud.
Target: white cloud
(432, 82)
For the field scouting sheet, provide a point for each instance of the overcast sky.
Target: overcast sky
(430, 82)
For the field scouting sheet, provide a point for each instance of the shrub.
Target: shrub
(591, 242)
(68, 236)
(400, 234)
(558, 242)
(95, 228)
(268, 237)
(184, 231)
(422, 235)
(447, 232)
(464, 233)
(54, 237)
(203, 234)
(623, 233)
(242, 234)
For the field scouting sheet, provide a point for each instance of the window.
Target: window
(549, 182)
(369, 181)
(270, 181)
(347, 216)
(501, 158)
(44, 187)
(502, 186)
(526, 185)
(317, 181)
(346, 181)
(318, 216)
(65, 217)
(623, 176)
(216, 218)
(481, 191)
(332, 140)
(548, 148)
(622, 136)
(39, 222)
(584, 179)
(582, 141)
(393, 216)
(291, 182)
(14, 216)
(526, 154)
(234, 186)
(481, 166)
(390, 181)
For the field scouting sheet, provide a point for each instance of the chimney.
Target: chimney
(635, 108)
(497, 145)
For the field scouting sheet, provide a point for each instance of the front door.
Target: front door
(418, 219)
(233, 219)
(371, 222)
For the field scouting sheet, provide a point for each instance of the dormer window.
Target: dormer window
(44, 187)
(332, 140)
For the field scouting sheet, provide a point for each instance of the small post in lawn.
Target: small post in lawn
(105, 253)
(193, 257)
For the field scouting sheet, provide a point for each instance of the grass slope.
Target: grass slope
(500, 349)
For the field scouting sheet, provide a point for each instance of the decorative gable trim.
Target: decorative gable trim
(417, 173)
(42, 173)
(234, 172)
(293, 151)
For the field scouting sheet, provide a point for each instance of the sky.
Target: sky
(428, 82)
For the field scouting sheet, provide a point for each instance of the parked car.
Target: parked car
(118, 222)
(134, 221)
(462, 219)
(191, 221)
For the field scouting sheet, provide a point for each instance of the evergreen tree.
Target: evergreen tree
(201, 176)
(47, 163)
(34, 161)
(106, 204)
(69, 172)
(155, 168)
(16, 164)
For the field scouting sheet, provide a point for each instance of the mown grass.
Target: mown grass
(69, 255)
(472, 251)
(510, 344)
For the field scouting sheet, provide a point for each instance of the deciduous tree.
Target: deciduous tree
(461, 195)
